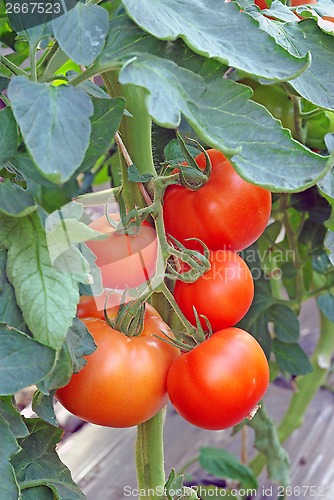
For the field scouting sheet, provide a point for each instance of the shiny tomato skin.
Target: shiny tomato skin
(262, 4)
(227, 212)
(125, 261)
(124, 381)
(223, 294)
(294, 3)
(92, 307)
(219, 382)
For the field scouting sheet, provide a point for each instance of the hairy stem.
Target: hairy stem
(150, 458)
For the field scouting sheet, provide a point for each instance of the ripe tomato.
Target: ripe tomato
(125, 261)
(261, 3)
(223, 294)
(93, 306)
(124, 381)
(219, 382)
(294, 3)
(227, 212)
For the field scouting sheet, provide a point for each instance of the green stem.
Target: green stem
(33, 69)
(188, 326)
(150, 458)
(12, 67)
(306, 388)
(136, 134)
(300, 130)
(85, 75)
(136, 130)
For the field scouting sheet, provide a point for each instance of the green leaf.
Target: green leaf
(257, 319)
(57, 377)
(211, 106)
(82, 31)
(29, 170)
(37, 493)
(80, 343)
(326, 305)
(221, 463)
(326, 185)
(135, 176)
(9, 412)
(96, 287)
(211, 103)
(15, 201)
(43, 406)
(55, 125)
(91, 88)
(219, 110)
(63, 232)
(321, 263)
(10, 313)
(315, 84)
(224, 34)
(46, 297)
(33, 26)
(39, 462)
(105, 122)
(313, 235)
(173, 153)
(8, 486)
(23, 360)
(329, 244)
(8, 135)
(291, 358)
(267, 442)
(286, 324)
(4, 82)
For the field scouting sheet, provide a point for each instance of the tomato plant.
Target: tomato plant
(223, 294)
(124, 381)
(126, 260)
(229, 369)
(227, 212)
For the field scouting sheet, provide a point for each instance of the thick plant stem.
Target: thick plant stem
(150, 458)
(306, 388)
(136, 134)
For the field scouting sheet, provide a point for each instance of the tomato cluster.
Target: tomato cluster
(218, 383)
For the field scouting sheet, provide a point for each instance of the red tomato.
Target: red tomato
(223, 294)
(124, 381)
(227, 212)
(262, 4)
(93, 306)
(294, 3)
(219, 382)
(125, 261)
